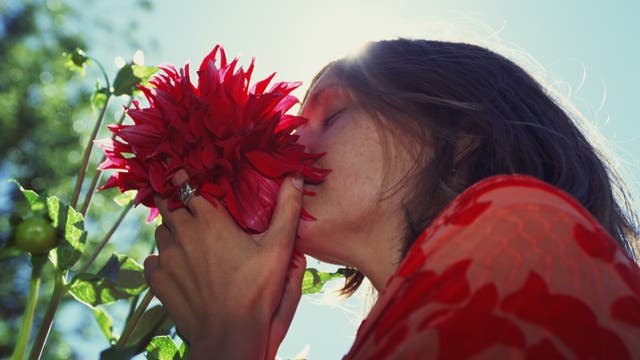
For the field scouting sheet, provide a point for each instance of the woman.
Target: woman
(513, 266)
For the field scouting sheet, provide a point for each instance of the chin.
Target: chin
(317, 247)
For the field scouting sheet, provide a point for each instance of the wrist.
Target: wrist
(234, 344)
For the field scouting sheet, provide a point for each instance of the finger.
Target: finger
(174, 264)
(169, 294)
(199, 206)
(196, 204)
(180, 177)
(285, 312)
(286, 215)
(293, 285)
(163, 238)
(151, 264)
(171, 217)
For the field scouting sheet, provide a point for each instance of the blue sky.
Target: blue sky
(587, 50)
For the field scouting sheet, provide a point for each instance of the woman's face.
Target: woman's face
(353, 221)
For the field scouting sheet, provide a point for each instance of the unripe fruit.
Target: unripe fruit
(35, 235)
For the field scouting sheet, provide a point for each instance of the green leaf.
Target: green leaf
(144, 73)
(125, 81)
(314, 280)
(8, 252)
(125, 272)
(131, 75)
(37, 202)
(183, 350)
(155, 321)
(162, 348)
(117, 354)
(125, 198)
(70, 223)
(76, 61)
(120, 278)
(99, 97)
(105, 323)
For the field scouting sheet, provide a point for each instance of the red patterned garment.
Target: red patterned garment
(513, 269)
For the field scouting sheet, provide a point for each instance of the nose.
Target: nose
(305, 137)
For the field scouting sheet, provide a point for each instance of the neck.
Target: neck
(379, 266)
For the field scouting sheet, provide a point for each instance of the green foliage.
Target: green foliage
(117, 354)
(125, 198)
(106, 324)
(70, 223)
(119, 278)
(163, 348)
(155, 321)
(129, 77)
(8, 252)
(76, 61)
(99, 97)
(39, 97)
(36, 202)
(66, 220)
(45, 117)
(314, 280)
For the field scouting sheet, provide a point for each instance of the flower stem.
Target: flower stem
(87, 153)
(104, 73)
(59, 289)
(135, 319)
(29, 312)
(96, 177)
(106, 239)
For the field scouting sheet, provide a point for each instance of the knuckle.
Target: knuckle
(170, 257)
(162, 243)
(156, 279)
(295, 197)
(161, 230)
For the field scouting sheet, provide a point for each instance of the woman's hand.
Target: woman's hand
(230, 294)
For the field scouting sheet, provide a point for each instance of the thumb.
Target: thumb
(290, 298)
(286, 215)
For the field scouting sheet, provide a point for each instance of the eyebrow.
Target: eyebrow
(322, 92)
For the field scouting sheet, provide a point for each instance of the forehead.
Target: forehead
(324, 90)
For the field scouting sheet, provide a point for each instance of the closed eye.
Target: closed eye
(329, 120)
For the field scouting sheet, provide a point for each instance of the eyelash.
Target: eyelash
(326, 122)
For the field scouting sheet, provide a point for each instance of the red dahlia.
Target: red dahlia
(234, 141)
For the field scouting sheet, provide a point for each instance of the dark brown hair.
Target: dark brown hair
(481, 115)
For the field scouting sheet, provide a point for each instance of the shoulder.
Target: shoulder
(518, 266)
(516, 214)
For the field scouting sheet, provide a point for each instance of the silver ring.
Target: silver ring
(185, 193)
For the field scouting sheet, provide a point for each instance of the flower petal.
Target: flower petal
(234, 140)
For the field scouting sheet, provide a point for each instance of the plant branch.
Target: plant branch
(29, 311)
(134, 301)
(59, 289)
(106, 238)
(135, 319)
(87, 153)
(96, 177)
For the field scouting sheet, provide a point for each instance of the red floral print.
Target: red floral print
(566, 317)
(513, 268)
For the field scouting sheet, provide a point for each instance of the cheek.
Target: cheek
(343, 202)
(356, 173)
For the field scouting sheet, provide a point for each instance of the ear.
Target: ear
(459, 177)
(465, 145)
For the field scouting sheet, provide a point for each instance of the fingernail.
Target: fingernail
(297, 182)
